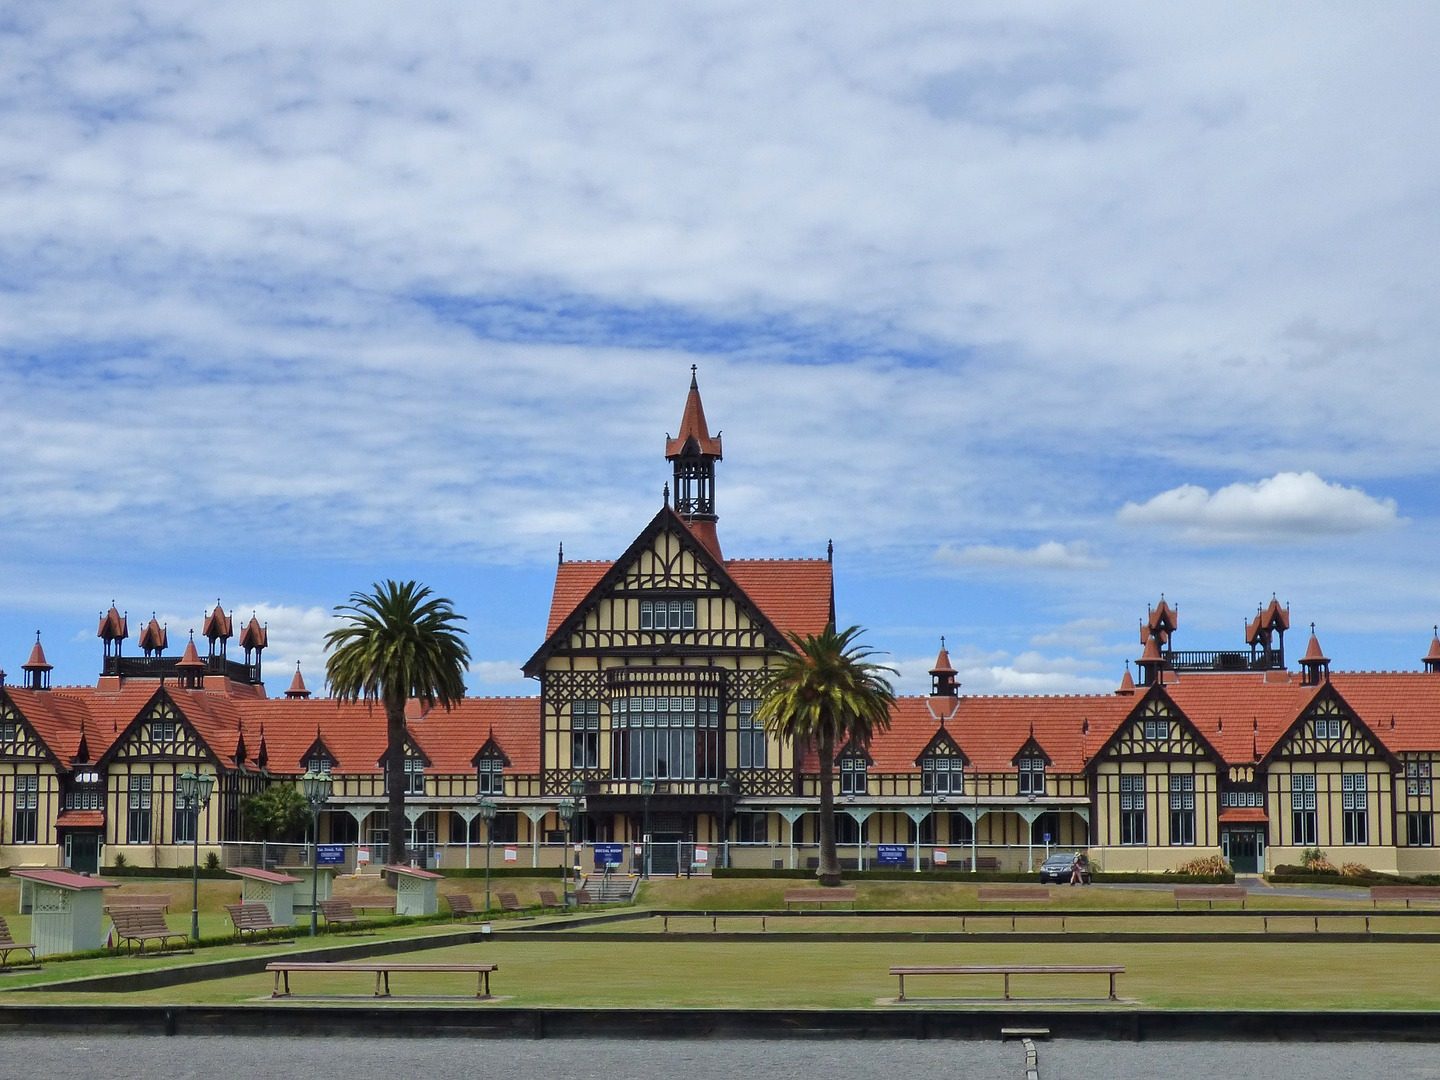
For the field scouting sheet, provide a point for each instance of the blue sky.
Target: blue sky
(1038, 310)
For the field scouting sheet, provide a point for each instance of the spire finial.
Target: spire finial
(562, 553)
(693, 384)
(665, 494)
(830, 551)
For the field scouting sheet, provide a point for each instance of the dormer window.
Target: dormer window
(1326, 727)
(854, 775)
(942, 776)
(1032, 776)
(414, 776)
(667, 614)
(319, 763)
(490, 773)
(162, 729)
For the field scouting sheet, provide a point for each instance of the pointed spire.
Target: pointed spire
(693, 427)
(113, 625)
(942, 676)
(1127, 684)
(218, 626)
(37, 669)
(254, 636)
(693, 453)
(191, 667)
(299, 690)
(154, 639)
(1432, 658)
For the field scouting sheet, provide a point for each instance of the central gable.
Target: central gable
(666, 591)
(1329, 729)
(160, 732)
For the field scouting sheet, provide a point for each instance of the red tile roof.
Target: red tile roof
(80, 819)
(37, 661)
(1243, 815)
(1241, 715)
(693, 426)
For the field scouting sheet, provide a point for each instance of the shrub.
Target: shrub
(1312, 855)
(120, 860)
(1205, 865)
(1354, 869)
(212, 861)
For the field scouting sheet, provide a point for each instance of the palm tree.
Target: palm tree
(398, 642)
(829, 693)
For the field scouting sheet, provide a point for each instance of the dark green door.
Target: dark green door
(83, 849)
(1245, 848)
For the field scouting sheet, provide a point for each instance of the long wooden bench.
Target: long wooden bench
(839, 895)
(1421, 893)
(9, 945)
(382, 970)
(139, 925)
(252, 919)
(1210, 893)
(548, 900)
(984, 864)
(370, 902)
(1007, 970)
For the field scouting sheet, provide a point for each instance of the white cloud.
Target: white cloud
(997, 672)
(1287, 507)
(1050, 555)
(296, 635)
(502, 672)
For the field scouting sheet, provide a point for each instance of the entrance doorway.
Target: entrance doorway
(1245, 848)
(665, 853)
(82, 852)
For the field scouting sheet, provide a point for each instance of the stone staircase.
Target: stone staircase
(612, 888)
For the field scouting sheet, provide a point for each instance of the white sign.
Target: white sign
(362, 855)
(511, 855)
(639, 849)
(941, 857)
(702, 855)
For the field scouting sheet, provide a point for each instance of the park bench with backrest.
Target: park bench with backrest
(139, 925)
(461, 905)
(9, 945)
(839, 895)
(508, 901)
(338, 911)
(1008, 970)
(371, 901)
(549, 901)
(253, 919)
(1210, 893)
(382, 970)
(985, 864)
(1420, 893)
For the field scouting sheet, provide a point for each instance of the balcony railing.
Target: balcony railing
(168, 667)
(1224, 660)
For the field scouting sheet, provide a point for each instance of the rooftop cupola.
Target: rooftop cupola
(114, 628)
(254, 639)
(37, 669)
(1432, 658)
(154, 639)
(1151, 662)
(1127, 684)
(1315, 662)
(217, 629)
(1161, 623)
(942, 676)
(297, 690)
(190, 668)
(694, 452)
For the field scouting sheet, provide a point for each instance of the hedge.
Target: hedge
(965, 875)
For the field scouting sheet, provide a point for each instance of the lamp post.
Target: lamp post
(316, 787)
(192, 793)
(726, 789)
(577, 792)
(487, 815)
(567, 814)
(647, 788)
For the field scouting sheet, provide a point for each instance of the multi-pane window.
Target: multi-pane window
(9, 730)
(414, 776)
(86, 792)
(186, 822)
(319, 763)
(854, 775)
(665, 738)
(847, 830)
(27, 810)
(1417, 778)
(1251, 797)
(1420, 829)
(1326, 727)
(1132, 809)
(1302, 808)
(752, 734)
(1157, 730)
(1032, 776)
(1354, 807)
(962, 830)
(585, 734)
(1182, 809)
(667, 614)
(506, 827)
(137, 830)
(942, 776)
(162, 729)
(752, 828)
(490, 773)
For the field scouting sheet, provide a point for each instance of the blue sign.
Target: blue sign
(330, 854)
(609, 855)
(891, 855)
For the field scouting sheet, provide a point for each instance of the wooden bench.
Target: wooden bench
(713, 917)
(819, 896)
(462, 905)
(1008, 970)
(382, 970)
(252, 919)
(144, 900)
(1421, 893)
(1210, 893)
(8, 945)
(510, 902)
(337, 911)
(583, 897)
(1022, 893)
(370, 902)
(549, 900)
(984, 864)
(141, 925)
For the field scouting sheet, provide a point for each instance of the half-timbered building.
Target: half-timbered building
(649, 674)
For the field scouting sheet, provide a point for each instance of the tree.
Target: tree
(826, 692)
(398, 642)
(278, 813)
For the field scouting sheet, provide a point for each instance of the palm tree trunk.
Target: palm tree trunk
(395, 781)
(829, 871)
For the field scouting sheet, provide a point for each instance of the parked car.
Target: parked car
(1060, 865)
